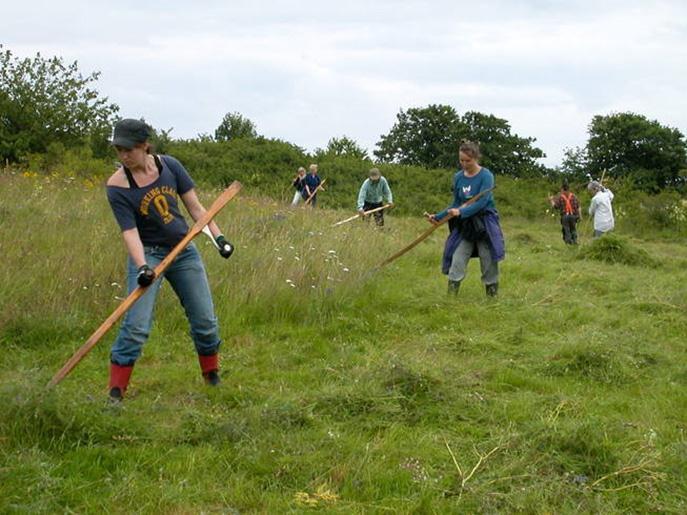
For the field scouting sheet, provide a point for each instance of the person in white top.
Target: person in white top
(601, 209)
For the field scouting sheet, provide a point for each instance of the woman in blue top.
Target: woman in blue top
(312, 182)
(475, 229)
(144, 195)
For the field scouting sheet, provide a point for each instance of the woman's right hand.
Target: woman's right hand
(431, 218)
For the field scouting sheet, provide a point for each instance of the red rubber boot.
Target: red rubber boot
(119, 380)
(209, 365)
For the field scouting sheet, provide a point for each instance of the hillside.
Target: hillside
(344, 389)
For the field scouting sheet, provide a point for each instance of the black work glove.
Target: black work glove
(146, 276)
(226, 249)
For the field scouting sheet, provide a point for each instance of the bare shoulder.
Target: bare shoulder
(118, 179)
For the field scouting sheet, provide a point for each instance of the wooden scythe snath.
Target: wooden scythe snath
(361, 214)
(435, 226)
(312, 195)
(196, 229)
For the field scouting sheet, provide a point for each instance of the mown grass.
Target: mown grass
(344, 390)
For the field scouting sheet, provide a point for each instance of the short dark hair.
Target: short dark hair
(565, 186)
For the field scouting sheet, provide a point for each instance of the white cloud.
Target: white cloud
(307, 71)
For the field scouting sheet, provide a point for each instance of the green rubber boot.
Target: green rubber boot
(492, 289)
(453, 287)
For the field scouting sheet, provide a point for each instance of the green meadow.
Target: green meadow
(345, 389)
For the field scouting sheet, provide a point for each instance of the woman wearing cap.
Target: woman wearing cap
(374, 191)
(475, 229)
(143, 194)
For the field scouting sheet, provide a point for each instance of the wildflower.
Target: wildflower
(304, 499)
(346, 269)
(417, 471)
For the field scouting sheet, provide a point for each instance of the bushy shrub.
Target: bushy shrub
(73, 162)
(264, 166)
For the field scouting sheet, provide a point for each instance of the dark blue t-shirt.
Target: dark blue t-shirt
(313, 181)
(154, 209)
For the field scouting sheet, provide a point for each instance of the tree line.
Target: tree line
(47, 105)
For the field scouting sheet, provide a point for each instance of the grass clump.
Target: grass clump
(590, 361)
(614, 249)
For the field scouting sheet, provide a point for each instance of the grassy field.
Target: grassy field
(344, 390)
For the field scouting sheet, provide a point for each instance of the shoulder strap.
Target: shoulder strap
(130, 178)
(568, 203)
(158, 163)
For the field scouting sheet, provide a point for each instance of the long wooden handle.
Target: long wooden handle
(216, 206)
(435, 226)
(319, 187)
(415, 242)
(363, 214)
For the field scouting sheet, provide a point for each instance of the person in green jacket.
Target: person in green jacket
(374, 193)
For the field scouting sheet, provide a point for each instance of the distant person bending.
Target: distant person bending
(601, 208)
(299, 184)
(568, 205)
(374, 193)
(312, 181)
(143, 194)
(475, 230)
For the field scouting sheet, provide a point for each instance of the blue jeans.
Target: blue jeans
(189, 281)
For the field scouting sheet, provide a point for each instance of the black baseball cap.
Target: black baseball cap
(129, 131)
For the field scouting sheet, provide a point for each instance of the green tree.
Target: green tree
(423, 136)
(430, 137)
(503, 152)
(342, 147)
(161, 139)
(45, 101)
(234, 126)
(575, 163)
(630, 145)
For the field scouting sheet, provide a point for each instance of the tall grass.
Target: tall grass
(345, 389)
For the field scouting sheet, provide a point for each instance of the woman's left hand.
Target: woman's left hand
(454, 211)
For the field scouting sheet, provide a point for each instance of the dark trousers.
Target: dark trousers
(569, 229)
(379, 215)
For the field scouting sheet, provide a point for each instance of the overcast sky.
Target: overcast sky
(308, 71)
